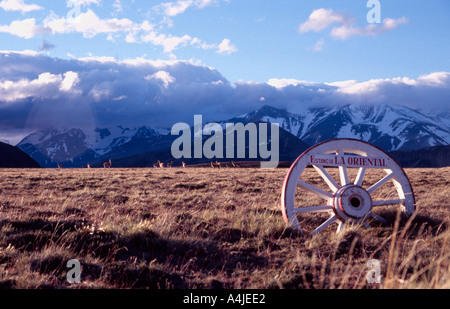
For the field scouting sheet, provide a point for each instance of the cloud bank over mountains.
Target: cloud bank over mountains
(37, 91)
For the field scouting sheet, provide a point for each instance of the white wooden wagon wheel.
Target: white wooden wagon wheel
(345, 200)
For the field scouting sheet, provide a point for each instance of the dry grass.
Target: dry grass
(205, 228)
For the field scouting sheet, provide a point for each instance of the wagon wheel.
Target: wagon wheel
(345, 201)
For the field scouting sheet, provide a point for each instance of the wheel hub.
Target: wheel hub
(352, 203)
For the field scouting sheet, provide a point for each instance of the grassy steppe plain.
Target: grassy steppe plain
(207, 228)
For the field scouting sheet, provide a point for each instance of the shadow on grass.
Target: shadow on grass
(417, 224)
(35, 234)
(123, 260)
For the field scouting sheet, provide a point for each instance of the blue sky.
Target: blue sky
(99, 63)
(249, 40)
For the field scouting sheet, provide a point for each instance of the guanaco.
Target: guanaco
(215, 165)
(107, 164)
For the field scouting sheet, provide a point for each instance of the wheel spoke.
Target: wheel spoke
(343, 171)
(344, 175)
(341, 227)
(377, 217)
(323, 194)
(381, 182)
(313, 209)
(387, 202)
(324, 225)
(360, 177)
(327, 177)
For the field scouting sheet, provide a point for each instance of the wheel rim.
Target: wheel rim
(350, 199)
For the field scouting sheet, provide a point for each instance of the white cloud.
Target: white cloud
(437, 79)
(168, 42)
(19, 5)
(70, 80)
(162, 76)
(46, 85)
(204, 3)
(390, 23)
(226, 48)
(376, 86)
(72, 3)
(319, 45)
(175, 8)
(157, 92)
(27, 52)
(120, 98)
(285, 82)
(321, 19)
(171, 42)
(25, 29)
(117, 5)
(88, 24)
(346, 31)
(101, 92)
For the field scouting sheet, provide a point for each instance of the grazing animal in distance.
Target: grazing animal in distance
(234, 164)
(169, 165)
(155, 165)
(107, 164)
(161, 165)
(184, 164)
(59, 165)
(88, 165)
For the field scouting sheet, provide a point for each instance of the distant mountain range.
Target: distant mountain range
(391, 127)
(75, 147)
(438, 156)
(13, 157)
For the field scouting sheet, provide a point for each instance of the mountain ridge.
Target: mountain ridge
(13, 157)
(390, 127)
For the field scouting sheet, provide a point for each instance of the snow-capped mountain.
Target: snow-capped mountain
(390, 127)
(75, 147)
(51, 146)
